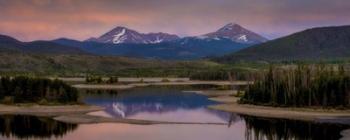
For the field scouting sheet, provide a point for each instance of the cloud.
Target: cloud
(81, 19)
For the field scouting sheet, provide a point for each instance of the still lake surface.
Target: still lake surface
(163, 104)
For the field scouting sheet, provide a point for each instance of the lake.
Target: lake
(163, 104)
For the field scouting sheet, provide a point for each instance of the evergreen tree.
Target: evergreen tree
(301, 86)
(33, 90)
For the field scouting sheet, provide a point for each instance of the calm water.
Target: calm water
(165, 104)
(162, 104)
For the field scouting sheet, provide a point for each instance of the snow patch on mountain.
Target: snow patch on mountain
(119, 38)
(158, 40)
(243, 38)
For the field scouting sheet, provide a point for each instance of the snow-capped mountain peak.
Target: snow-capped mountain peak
(237, 33)
(229, 27)
(121, 35)
(231, 31)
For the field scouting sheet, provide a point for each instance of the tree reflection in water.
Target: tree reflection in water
(25, 127)
(277, 129)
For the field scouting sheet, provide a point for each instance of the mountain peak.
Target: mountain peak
(237, 33)
(230, 27)
(121, 29)
(118, 28)
(120, 34)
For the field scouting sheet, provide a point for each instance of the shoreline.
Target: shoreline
(302, 114)
(134, 85)
(125, 79)
(78, 114)
(91, 119)
(47, 111)
(214, 93)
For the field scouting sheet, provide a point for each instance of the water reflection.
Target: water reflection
(166, 104)
(171, 104)
(109, 131)
(247, 128)
(25, 127)
(277, 129)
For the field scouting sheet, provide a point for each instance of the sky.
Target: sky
(29, 20)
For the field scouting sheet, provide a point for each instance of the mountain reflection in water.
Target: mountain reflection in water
(166, 104)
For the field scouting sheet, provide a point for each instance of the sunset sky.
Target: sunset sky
(80, 19)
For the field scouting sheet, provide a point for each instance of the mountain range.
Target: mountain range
(122, 41)
(120, 35)
(232, 31)
(183, 49)
(228, 44)
(323, 43)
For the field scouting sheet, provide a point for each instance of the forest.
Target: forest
(301, 86)
(36, 90)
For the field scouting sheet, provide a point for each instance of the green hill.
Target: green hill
(11, 45)
(325, 43)
(79, 65)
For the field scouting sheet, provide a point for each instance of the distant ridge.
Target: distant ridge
(122, 41)
(9, 44)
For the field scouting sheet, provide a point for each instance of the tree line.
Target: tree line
(36, 90)
(302, 86)
(222, 75)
